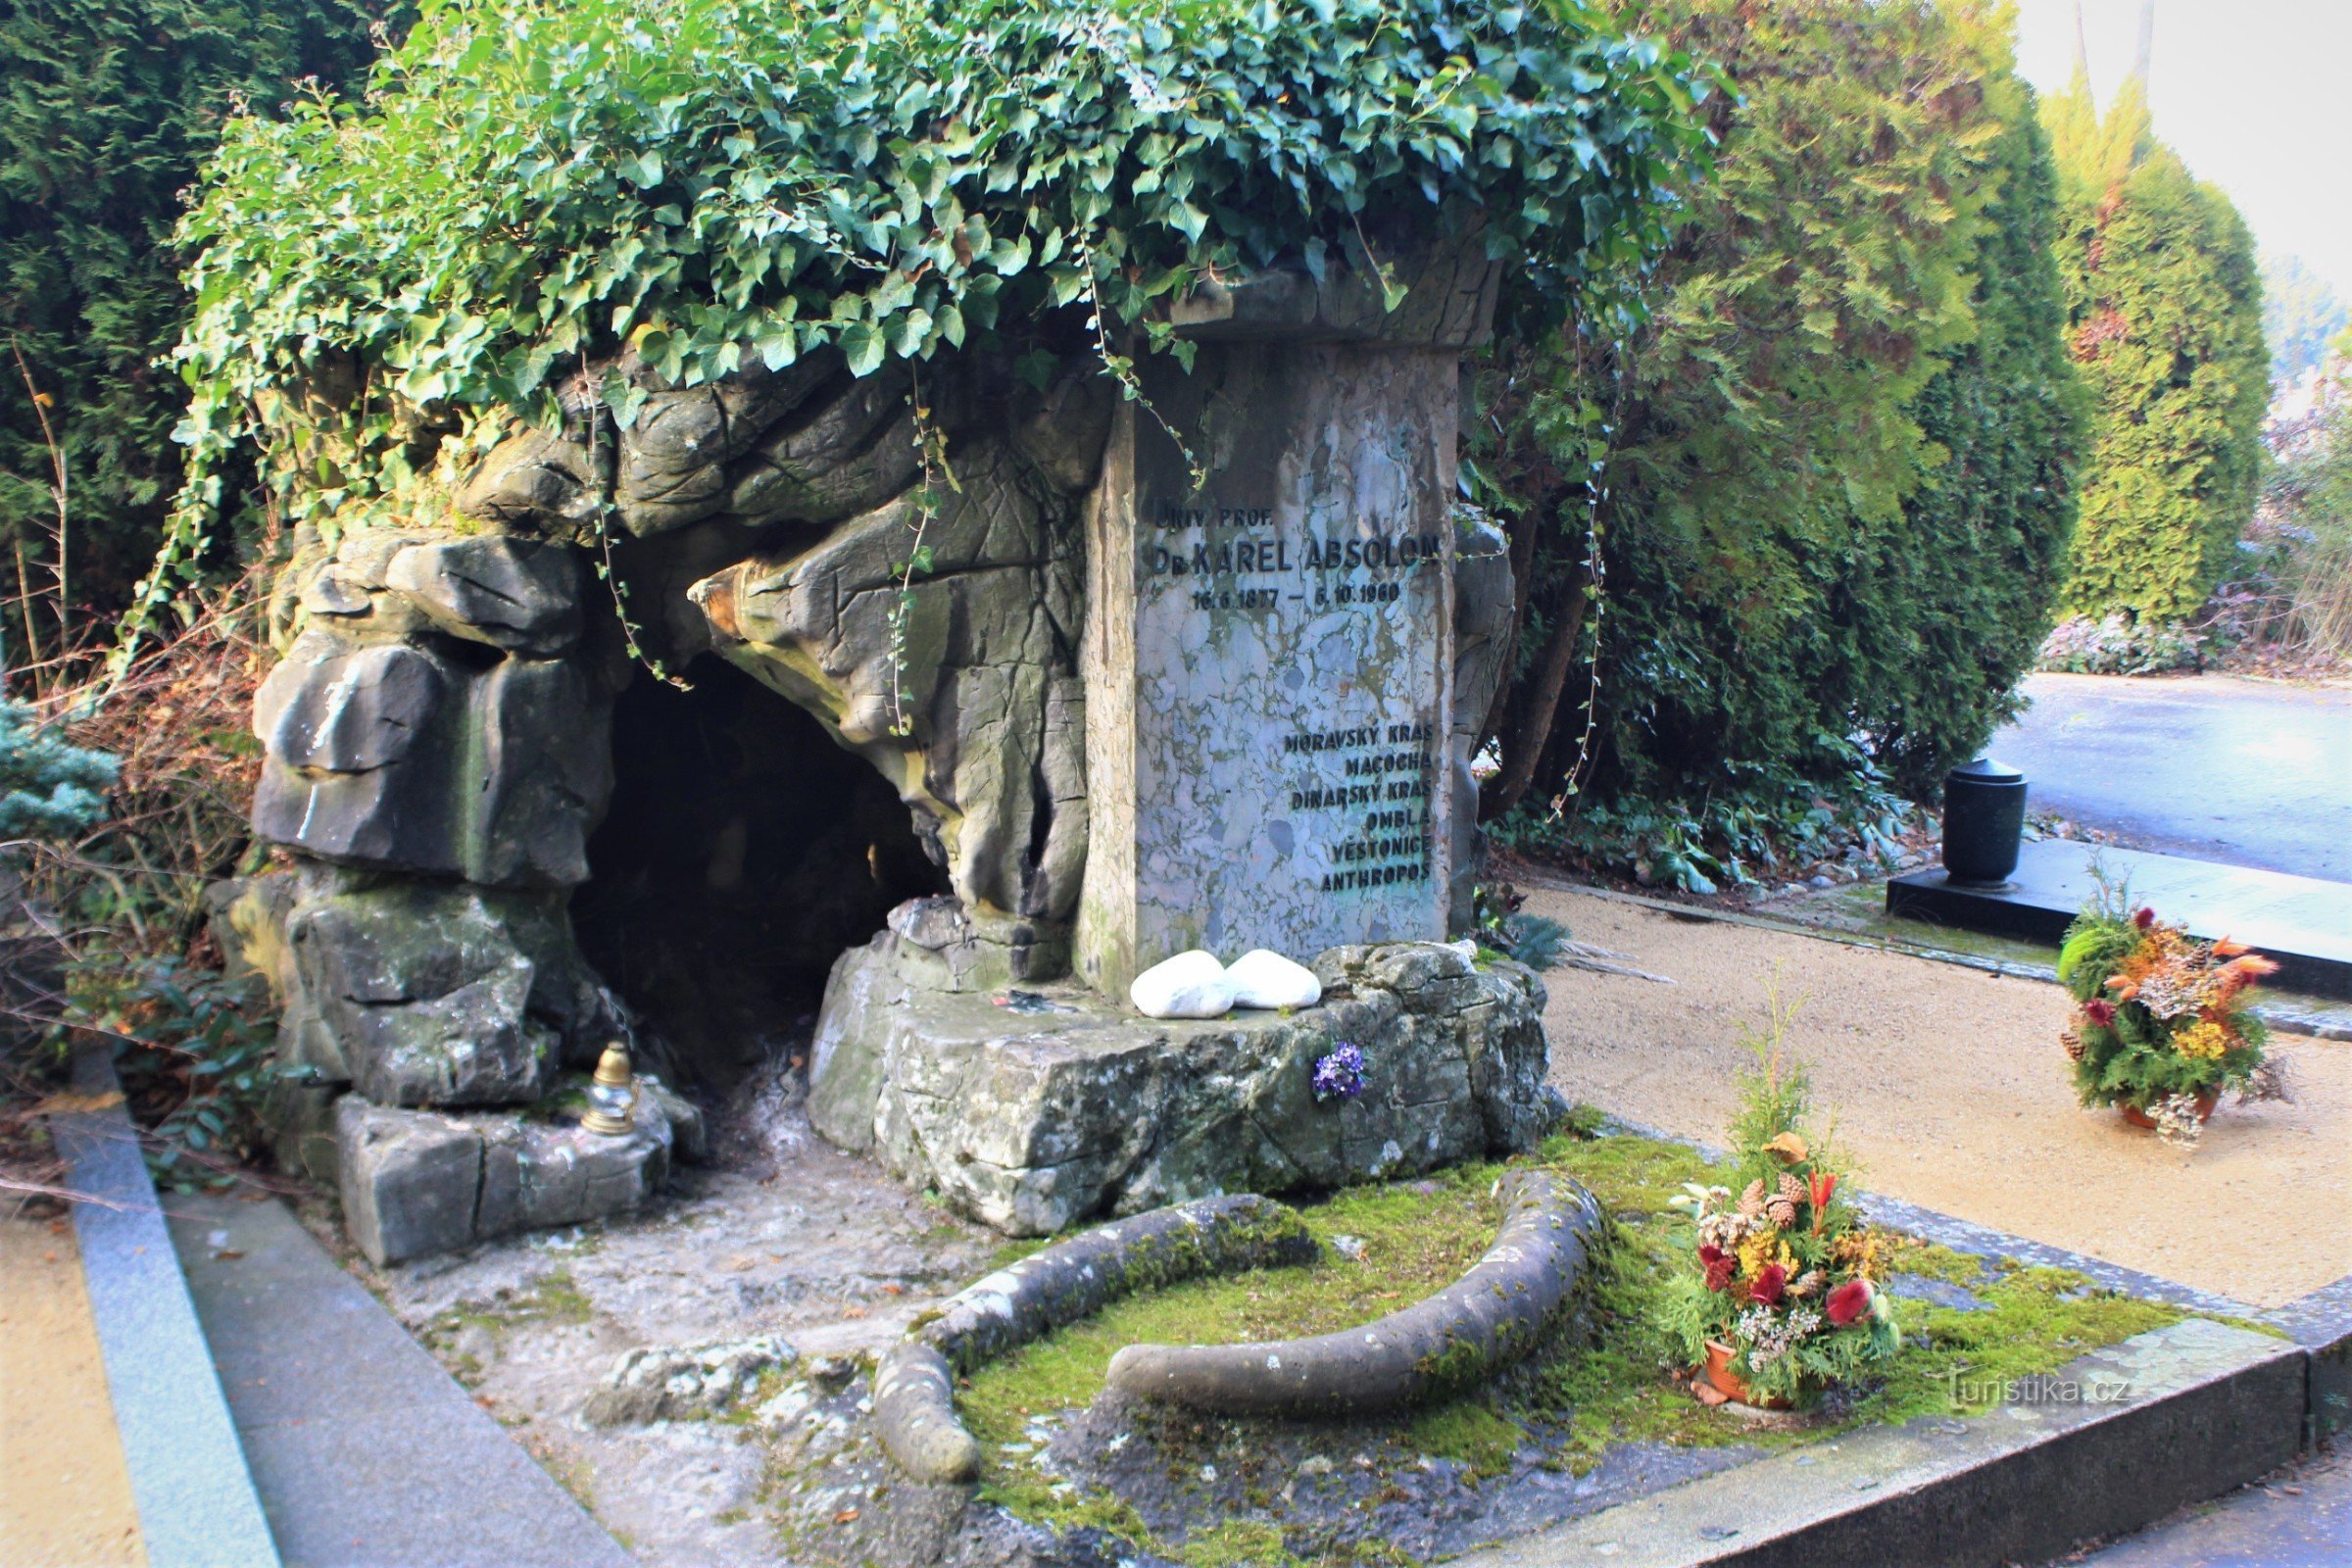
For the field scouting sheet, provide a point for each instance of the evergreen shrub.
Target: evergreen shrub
(1835, 456)
(106, 109)
(2164, 318)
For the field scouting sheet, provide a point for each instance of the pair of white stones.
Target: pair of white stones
(1194, 985)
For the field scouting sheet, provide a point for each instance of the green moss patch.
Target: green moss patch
(1608, 1377)
(551, 1299)
(1418, 1238)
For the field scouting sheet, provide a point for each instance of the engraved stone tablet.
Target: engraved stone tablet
(1269, 671)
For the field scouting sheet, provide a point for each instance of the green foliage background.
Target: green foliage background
(2165, 312)
(1837, 455)
(106, 108)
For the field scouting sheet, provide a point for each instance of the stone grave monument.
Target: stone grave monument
(1197, 668)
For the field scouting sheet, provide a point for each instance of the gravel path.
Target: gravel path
(1947, 1085)
(64, 1492)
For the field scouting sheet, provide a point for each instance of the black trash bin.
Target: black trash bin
(1984, 820)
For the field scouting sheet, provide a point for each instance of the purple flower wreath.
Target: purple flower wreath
(1339, 1075)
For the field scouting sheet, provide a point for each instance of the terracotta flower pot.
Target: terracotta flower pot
(2140, 1118)
(1730, 1384)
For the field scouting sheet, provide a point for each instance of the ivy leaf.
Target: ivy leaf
(1009, 258)
(862, 346)
(778, 347)
(1038, 367)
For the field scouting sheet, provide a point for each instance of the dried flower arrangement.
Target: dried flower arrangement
(2164, 1022)
(1782, 1302)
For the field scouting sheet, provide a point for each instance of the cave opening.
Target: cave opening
(744, 851)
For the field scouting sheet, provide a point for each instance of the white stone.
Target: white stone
(1190, 984)
(1264, 978)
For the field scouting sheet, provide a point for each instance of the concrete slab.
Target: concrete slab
(188, 1477)
(2303, 923)
(2165, 1418)
(364, 1449)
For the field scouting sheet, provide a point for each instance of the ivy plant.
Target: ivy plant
(530, 185)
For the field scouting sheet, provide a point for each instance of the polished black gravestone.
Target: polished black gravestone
(2303, 923)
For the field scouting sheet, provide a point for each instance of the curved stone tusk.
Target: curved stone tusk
(1490, 1316)
(914, 1406)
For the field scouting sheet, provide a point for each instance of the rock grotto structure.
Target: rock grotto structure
(970, 664)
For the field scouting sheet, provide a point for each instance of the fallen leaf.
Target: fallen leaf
(894, 1289)
(67, 1104)
(845, 1516)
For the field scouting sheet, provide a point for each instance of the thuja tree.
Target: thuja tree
(2165, 317)
(1827, 469)
(1936, 619)
(533, 187)
(106, 109)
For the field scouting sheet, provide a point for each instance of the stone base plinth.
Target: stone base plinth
(1030, 1110)
(416, 1182)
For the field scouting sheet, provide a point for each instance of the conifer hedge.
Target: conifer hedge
(106, 108)
(1837, 455)
(2165, 317)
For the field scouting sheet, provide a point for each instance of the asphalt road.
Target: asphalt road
(2244, 772)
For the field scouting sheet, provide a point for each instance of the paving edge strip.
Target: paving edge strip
(196, 1503)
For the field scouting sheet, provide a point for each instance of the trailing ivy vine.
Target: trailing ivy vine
(530, 185)
(108, 108)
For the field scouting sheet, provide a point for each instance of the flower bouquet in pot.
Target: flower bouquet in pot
(1782, 1301)
(2163, 1022)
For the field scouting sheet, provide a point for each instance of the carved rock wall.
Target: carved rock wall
(437, 715)
(903, 557)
